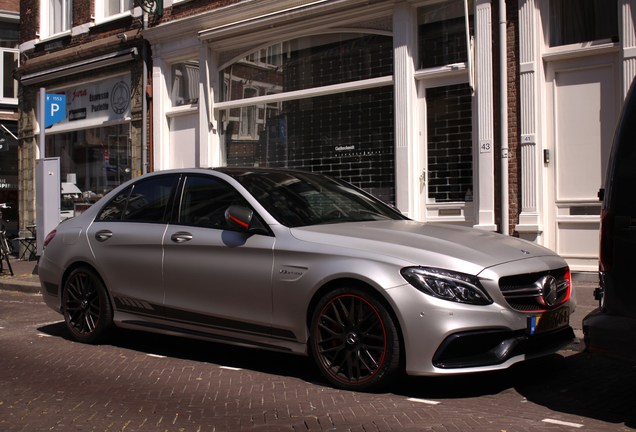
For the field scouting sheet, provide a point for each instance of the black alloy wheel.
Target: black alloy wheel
(86, 307)
(354, 340)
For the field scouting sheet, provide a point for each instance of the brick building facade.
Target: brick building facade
(403, 98)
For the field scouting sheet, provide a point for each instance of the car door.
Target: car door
(217, 280)
(126, 239)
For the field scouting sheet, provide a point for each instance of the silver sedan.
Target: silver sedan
(306, 264)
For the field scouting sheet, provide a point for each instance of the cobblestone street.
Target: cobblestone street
(142, 382)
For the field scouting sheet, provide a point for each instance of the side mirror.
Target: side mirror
(242, 218)
(601, 194)
(239, 217)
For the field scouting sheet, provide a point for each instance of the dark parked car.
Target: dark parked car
(611, 328)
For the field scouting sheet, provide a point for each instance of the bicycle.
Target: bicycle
(5, 252)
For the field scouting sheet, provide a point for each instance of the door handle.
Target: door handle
(181, 236)
(103, 235)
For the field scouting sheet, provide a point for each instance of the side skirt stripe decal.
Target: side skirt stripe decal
(144, 308)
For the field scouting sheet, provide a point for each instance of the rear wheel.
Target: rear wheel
(86, 307)
(354, 340)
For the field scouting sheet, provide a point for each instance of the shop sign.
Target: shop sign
(6, 184)
(99, 101)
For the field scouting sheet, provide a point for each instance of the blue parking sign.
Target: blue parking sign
(55, 109)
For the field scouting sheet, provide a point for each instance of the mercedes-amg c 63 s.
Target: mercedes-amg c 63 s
(306, 264)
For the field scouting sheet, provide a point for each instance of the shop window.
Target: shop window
(56, 17)
(185, 83)
(442, 33)
(449, 126)
(92, 162)
(309, 62)
(577, 21)
(349, 134)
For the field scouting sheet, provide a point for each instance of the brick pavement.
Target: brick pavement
(145, 382)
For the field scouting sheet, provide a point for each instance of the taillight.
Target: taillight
(49, 237)
(606, 242)
(568, 277)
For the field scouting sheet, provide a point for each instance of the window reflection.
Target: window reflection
(442, 33)
(449, 125)
(185, 83)
(349, 134)
(94, 161)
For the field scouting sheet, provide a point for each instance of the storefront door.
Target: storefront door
(582, 110)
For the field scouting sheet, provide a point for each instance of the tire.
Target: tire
(86, 307)
(354, 340)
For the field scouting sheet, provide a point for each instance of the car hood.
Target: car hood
(453, 247)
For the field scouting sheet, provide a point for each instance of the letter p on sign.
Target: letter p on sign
(55, 109)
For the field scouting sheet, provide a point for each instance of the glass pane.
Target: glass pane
(9, 85)
(148, 200)
(309, 62)
(9, 35)
(185, 83)
(450, 161)
(205, 200)
(59, 16)
(111, 7)
(442, 33)
(576, 21)
(94, 160)
(349, 135)
(114, 210)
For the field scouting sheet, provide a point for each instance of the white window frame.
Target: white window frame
(46, 14)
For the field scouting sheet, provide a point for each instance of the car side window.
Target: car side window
(205, 200)
(145, 201)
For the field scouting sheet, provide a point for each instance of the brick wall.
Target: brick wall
(514, 112)
(10, 5)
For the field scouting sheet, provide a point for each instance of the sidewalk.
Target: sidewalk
(24, 277)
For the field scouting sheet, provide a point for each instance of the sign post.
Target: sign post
(52, 110)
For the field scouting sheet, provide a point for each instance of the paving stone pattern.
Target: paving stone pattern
(144, 382)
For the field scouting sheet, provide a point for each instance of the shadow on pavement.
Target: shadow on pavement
(590, 386)
(581, 384)
(269, 362)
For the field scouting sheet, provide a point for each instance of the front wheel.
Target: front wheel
(86, 307)
(354, 340)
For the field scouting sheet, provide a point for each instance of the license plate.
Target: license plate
(548, 321)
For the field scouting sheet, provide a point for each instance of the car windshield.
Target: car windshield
(297, 199)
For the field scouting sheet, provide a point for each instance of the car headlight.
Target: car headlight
(447, 285)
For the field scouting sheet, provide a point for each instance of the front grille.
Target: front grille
(526, 292)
